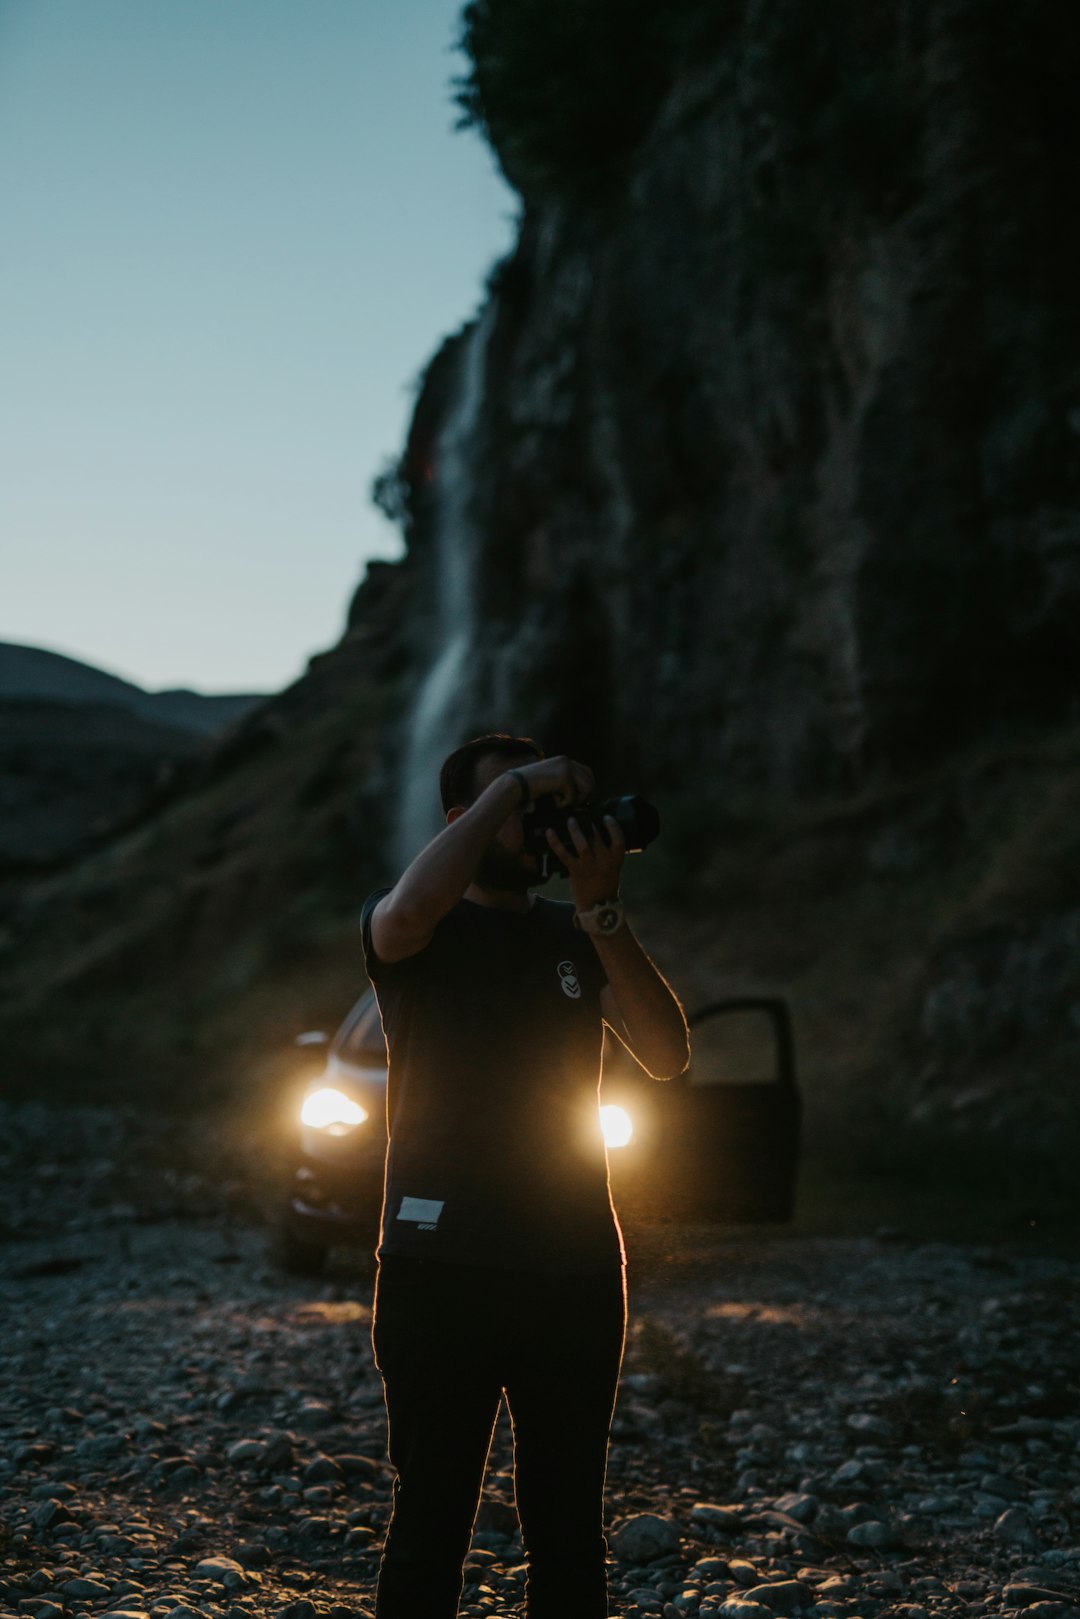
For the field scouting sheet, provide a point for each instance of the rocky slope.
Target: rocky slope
(159, 965)
(83, 753)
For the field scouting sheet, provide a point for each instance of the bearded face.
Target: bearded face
(504, 866)
(501, 868)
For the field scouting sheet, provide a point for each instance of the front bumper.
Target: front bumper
(335, 1194)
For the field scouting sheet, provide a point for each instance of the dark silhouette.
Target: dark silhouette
(500, 1256)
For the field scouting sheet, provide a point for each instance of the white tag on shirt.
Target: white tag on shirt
(424, 1210)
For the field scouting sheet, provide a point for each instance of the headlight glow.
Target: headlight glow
(331, 1110)
(617, 1126)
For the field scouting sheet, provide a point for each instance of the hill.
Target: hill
(82, 752)
(29, 672)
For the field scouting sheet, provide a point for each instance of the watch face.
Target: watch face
(608, 918)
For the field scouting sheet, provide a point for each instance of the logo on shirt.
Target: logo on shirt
(424, 1211)
(571, 986)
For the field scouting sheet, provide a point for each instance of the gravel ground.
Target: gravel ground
(829, 1427)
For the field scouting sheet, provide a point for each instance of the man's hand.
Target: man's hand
(594, 865)
(567, 781)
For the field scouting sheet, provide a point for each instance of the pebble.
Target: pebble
(801, 1507)
(644, 1537)
(865, 1422)
(872, 1533)
(314, 1415)
(726, 1519)
(322, 1469)
(743, 1573)
(223, 1571)
(357, 1467)
(49, 1514)
(1018, 1594)
(245, 1452)
(1014, 1526)
(781, 1596)
(88, 1590)
(318, 1495)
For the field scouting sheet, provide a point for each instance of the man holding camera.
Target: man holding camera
(500, 1257)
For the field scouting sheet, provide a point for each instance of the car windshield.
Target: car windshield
(362, 1043)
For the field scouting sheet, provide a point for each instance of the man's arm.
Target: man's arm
(640, 999)
(641, 1007)
(404, 920)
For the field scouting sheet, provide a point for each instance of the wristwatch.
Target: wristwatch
(606, 917)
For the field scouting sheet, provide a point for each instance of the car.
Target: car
(335, 1191)
(719, 1142)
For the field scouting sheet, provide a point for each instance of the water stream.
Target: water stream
(431, 730)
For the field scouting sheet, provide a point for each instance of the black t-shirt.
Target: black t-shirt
(494, 1035)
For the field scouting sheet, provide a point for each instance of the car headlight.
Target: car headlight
(331, 1110)
(617, 1126)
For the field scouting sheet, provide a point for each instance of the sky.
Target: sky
(232, 232)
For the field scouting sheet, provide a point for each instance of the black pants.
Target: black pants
(449, 1339)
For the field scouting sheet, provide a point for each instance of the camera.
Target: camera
(638, 819)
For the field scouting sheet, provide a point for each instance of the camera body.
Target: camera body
(638, 819)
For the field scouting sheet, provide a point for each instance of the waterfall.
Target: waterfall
(431, 734)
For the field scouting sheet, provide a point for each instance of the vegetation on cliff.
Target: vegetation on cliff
(565, 92)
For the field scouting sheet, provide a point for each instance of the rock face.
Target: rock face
(779, 441)
(769, 495)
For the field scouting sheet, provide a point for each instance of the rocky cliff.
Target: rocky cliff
(769, 503)
(778, 459)
(754, 482)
